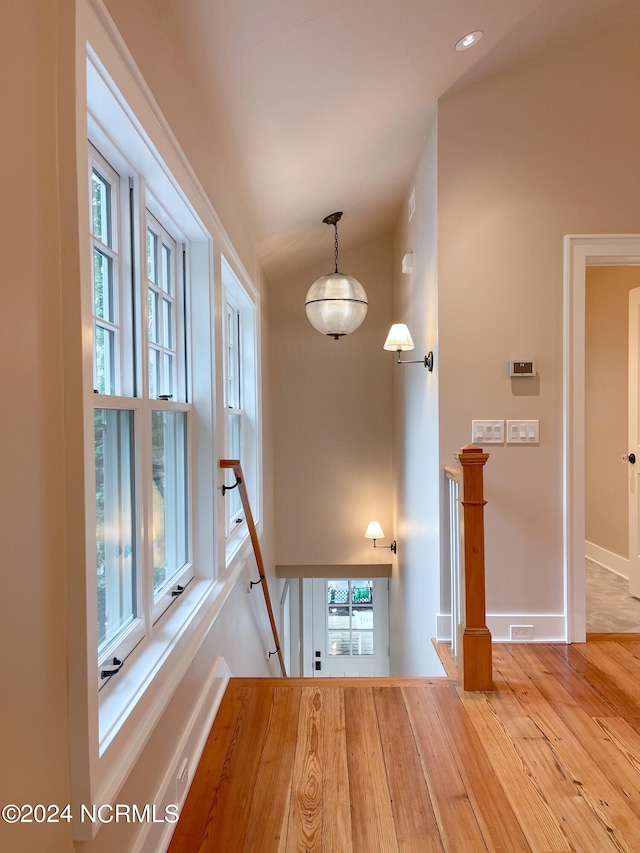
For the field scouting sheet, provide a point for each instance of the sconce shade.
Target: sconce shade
(336, 304)
(399, 338)
(374, 531)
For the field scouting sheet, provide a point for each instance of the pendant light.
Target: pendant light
(336, 303)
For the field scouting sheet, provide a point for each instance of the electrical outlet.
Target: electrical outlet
(182, 781)
(522, 632)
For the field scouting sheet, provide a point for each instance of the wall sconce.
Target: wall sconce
(399, 340)
(374, 531)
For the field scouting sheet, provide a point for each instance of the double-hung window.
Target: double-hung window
(233, 403)
(142, 413)
(240, 346)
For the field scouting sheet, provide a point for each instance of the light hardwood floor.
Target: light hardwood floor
(547, 761)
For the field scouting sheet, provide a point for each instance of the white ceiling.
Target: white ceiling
(326, 103)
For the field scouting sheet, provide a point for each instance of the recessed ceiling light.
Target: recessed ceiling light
(469, 40)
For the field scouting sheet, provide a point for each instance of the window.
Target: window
(233, 403)
(240, 400)
(142, 416)
(153, 286)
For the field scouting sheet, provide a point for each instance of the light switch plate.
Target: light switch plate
(487, 432)
(523, 432)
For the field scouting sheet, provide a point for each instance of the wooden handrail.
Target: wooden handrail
(452, 473)
(474, 638)
(235, 466)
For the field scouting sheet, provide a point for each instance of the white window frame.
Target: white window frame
(108, 729)
(239, 296)
(138, 211)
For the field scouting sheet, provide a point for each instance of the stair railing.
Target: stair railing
(234, 465)
(471, 639)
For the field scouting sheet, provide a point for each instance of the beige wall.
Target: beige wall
(33, 711)
(40, 371)
(525, 158)
(606, 410)
(332, 418)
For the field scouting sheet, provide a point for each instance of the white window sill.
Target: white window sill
(236, 545)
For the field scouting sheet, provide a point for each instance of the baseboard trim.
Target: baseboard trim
(607, 560)
(443, 627)
(545, 628)
(155, 837)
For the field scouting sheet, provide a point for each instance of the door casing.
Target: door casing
(580, 251)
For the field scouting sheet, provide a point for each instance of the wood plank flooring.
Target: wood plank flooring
(548, 761)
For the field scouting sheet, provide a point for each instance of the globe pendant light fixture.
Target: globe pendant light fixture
(336, 304)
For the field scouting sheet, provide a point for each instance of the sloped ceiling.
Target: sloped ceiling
(326, 103)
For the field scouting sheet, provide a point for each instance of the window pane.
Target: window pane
(115, 543)
(362, 643)
(167, 379)
(338, 617)
(152, 308)
(167, 283)
(234, 422)
(103, 286)
(104, 379)
(339, 643)
(169, 456)
(167, 316)
(154, 372)
(362, 591)
(338, 592)
(152, 256)
(101, 209)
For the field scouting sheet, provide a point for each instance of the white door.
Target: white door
(633, 450)
(350, 627)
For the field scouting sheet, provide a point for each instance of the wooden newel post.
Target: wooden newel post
(474, 638)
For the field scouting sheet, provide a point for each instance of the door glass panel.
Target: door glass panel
(350, 617)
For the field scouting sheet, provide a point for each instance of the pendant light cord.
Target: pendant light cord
(336, 251)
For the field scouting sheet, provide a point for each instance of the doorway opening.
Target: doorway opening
(612, 309)
(581, 253)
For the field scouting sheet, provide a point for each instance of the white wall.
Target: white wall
(39, 224)
(415, 587)
(525, 158)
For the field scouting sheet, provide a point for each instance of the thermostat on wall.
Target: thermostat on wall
(522, 368)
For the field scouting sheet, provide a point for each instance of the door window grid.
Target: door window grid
(350, 617)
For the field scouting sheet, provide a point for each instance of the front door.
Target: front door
(350, 627)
